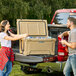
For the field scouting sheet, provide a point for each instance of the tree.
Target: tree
(13, 9)
(32, 9)
(38, 10)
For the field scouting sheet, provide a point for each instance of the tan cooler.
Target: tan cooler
(38, 42)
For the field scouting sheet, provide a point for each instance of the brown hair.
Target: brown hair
(2, 26)
(72, 19)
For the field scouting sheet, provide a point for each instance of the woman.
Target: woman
(6, 52)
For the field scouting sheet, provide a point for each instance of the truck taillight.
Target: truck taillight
(74, 11)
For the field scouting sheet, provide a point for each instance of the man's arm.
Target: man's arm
(71, 44)
(66, 33)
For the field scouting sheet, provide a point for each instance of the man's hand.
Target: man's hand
(66, 33)
(63, 42)
(61, 35)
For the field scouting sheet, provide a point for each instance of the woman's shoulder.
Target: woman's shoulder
(2, 34)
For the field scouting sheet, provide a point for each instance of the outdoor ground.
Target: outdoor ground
(16, 71)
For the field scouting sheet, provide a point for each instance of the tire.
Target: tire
(48, 69)
(30, 70)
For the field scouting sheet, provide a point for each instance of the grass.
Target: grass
(16, 71)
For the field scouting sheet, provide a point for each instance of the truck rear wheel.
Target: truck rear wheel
(30, 70)
(48, 69)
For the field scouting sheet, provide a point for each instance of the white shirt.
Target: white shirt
(5, 43)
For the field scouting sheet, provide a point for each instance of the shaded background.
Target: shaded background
(32, 9)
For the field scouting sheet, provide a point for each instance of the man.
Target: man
(71, 43)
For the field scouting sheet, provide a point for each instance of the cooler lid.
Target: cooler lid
(32, 27)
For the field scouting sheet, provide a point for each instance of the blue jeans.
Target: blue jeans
(7, 69)
(1, 73)
(70, 65)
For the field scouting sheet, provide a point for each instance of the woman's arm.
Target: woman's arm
(15, 37)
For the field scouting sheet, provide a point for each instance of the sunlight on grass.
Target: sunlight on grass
(16, 71)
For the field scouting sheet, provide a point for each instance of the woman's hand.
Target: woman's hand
(25, 35)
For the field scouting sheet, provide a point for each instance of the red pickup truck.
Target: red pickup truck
(57, 26)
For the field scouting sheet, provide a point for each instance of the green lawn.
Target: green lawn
(16, 71)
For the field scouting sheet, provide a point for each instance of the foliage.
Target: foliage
(32, 9)
(38, 10)
(13, 9)
(16, 71)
